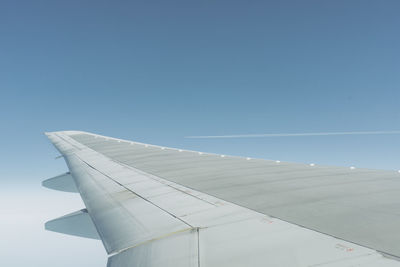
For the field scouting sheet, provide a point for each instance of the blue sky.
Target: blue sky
(156, 71)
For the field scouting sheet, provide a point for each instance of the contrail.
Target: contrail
(292, 134)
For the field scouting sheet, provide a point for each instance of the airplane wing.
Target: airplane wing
(158, 206)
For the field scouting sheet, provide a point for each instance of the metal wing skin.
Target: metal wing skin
(156, 206)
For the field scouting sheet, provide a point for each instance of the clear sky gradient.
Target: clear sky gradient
(156, 71)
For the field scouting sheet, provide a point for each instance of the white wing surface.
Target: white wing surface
(156, 206)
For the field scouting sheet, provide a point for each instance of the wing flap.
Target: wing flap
(178, 250)
(123, 219)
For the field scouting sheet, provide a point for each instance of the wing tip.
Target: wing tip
(68, 132)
